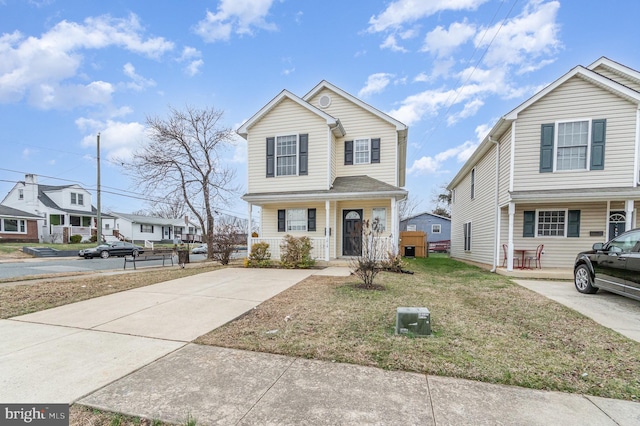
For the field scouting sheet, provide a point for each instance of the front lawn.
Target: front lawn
(485, 327)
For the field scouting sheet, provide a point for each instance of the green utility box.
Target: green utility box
(416, 321)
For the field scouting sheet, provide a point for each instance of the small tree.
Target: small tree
(368, 264)
(225, 241)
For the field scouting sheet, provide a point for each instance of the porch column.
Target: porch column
(395, 226)
(249, 228)
(629, 214)
(512, 214)
(327, 230)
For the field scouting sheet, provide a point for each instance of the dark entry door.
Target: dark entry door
(352, 232)
(617, 224)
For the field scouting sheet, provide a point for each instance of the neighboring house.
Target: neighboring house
(66, 210)
(318, 166)
(18, 226)
(148, 228)
(436, 227)
(561, 169)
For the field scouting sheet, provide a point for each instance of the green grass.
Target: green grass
(485, 328)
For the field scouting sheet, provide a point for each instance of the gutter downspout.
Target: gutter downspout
(497, 211)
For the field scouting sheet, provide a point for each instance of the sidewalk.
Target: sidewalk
(130, 352)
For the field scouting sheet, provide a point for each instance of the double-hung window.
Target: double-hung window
(379, 219)
(296, 219)
(286, 155)
(551, 223)
(436, 228)
(13, 226)
(573, 143)
(74, 199)
(362, 151)
(466, 235)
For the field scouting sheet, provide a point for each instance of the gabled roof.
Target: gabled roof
(587, 74)
(426, 213)
(48, 202)
(11, 212)
(332, 122)
(326, 85)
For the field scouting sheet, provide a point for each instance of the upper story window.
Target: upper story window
(287, 155)
(473, 183)
(77, 199)
(436, 228)
(20, 194)
(573, 145)
(362, 151)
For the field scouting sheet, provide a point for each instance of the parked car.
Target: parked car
(613, 266)
(117, 248)
(201, 249)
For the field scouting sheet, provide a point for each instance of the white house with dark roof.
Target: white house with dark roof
(65, 210)
(321, 164)
(150, 228)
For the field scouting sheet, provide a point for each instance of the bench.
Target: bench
(157, 254)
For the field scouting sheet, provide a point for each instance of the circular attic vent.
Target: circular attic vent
(324, 101)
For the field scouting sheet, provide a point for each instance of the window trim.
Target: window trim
(556, 144)
(439, 231)
(384, 225)
(355, 151)
(276, 156)
(566, 223)
(144, 229)
(21, 225)
(20, 194)
(304, 220)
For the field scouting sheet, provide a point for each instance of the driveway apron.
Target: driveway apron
(64, 353)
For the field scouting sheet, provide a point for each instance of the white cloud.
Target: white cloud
(193, 67)
(288, 71)
(443, 41)
(238, 16)
(470, 109)
(41, 68)
(193, 57)
(523, 40)
(391, 43)
(138, 82)
(434, 165)
(26, 153)
(401, 12)
(376, 83)
(118, 139)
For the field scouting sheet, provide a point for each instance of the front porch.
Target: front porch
(381, 246)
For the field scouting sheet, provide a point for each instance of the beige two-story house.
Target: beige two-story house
(560, 171)
(318, 166)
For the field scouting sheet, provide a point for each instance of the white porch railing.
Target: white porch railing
(317, 246)
(148, 244)
(383, 246)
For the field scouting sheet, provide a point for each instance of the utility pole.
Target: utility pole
(99, 218)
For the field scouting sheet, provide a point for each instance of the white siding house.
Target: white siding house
(320, 165)
(561, 170)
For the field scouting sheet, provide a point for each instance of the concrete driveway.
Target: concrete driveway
(64, 353)
(611, 310)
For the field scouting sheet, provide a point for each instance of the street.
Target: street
(69, 264)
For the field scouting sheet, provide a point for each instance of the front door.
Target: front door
(617, 224)
(352, 232)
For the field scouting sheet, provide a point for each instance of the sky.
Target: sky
(449, 69)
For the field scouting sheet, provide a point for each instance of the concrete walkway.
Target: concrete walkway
(129, 353)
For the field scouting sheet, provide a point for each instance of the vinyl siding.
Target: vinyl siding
(505, 168)
(479, 211)
(367, 207)
(576, 99)
(288, 118)
(559, 252)
(360, 123)
(633, 84)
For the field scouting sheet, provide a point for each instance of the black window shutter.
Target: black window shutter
(598, 131)
(152, 229)
(375, 150)
(304, 154)
(271, 151)
(546, 148)
(348, 152)
(311, 219)
(573, 228)
(529, 228)
(282, 221)
(140, 227)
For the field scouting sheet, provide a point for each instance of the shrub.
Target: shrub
(224, 241)
(260, 256)
(93, 238)
(393, 263)
(296, 252)
(75, 239)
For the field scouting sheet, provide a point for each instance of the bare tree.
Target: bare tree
(366, 238)
(182, 159)
(441, 198)
(173, 207)
(408, 206)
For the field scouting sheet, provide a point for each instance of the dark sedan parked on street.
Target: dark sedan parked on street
(614, 266)
(118, 248)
